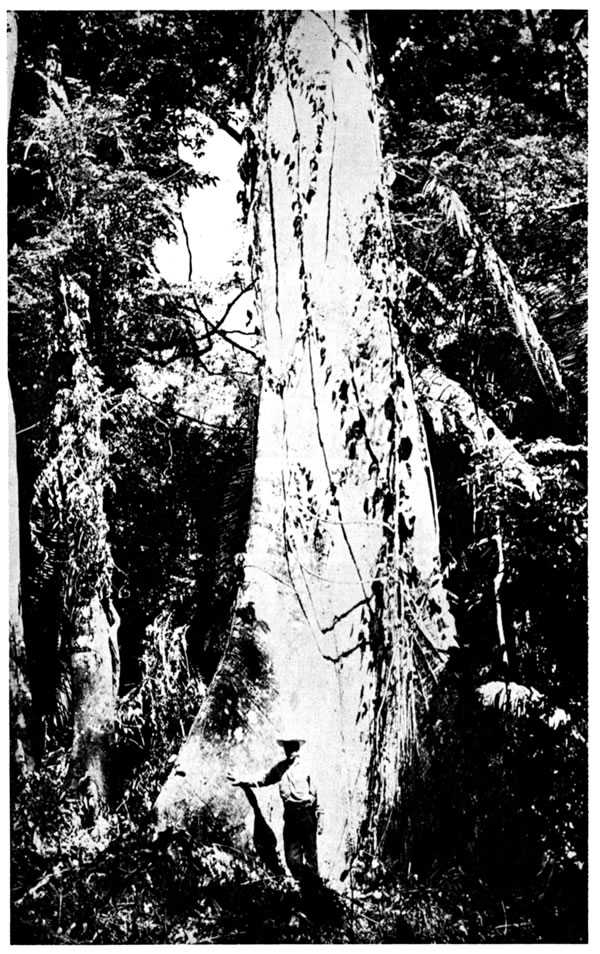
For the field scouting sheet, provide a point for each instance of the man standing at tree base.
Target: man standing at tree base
(301, 815)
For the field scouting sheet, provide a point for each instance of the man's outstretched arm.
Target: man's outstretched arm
(271, 778)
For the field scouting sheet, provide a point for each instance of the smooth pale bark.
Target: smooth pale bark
(20, 694)
(452, 411)
(342, 609)
(11, 54)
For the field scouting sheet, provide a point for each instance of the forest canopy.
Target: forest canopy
(340, 481)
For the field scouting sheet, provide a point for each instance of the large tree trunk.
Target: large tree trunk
(20, 695)
(69, 528)
(70, 531)
(93, 621)
(342, 610)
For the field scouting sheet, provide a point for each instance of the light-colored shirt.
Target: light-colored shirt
(296, 785)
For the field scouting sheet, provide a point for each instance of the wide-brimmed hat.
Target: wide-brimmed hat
(289, 737)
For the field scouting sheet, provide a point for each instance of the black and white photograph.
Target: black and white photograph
(296, 345)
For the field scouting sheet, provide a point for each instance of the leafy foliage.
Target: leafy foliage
(497, 127)
(68, 523)
(485, 156)
(94, 179)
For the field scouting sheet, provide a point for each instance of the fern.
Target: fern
(500, 277)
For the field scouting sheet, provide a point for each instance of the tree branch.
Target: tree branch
(550, 450)
(221, 123)
(216, 327)
(199, 422)
(452, 411)
(187, 245)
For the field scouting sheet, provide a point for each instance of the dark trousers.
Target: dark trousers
(300, 840)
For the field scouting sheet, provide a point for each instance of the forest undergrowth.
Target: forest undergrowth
(502, 879)
(116, 884)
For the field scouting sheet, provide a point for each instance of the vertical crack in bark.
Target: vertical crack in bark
(274, 240)
(330, 173)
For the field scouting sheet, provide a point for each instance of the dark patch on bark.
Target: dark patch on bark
(405, 448)
(243, 678)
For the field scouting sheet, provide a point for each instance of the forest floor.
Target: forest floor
(117, 882)
(98, 888)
